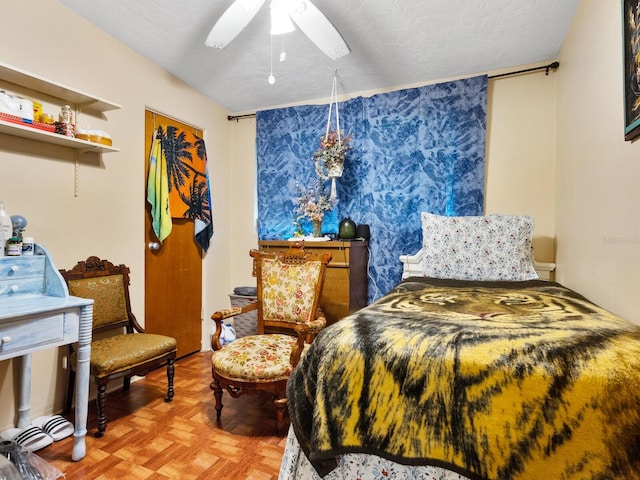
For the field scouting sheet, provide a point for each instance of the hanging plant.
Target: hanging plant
(331, 155)
(334, 146)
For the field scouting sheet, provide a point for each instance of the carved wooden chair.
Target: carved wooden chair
(289, 287)
(129, 352)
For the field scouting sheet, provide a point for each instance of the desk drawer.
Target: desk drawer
(31, 333)
(339, 255)
(19, 286)
(21, 267)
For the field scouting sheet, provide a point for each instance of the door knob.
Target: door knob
(153, 246)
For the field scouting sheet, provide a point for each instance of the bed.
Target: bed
(475, 369)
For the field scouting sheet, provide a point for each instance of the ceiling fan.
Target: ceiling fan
(305, 14)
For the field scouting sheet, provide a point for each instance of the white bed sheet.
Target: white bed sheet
(296, 466)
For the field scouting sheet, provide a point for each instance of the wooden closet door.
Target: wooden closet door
(173, 272)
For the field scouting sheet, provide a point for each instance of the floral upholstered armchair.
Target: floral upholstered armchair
(288, 294)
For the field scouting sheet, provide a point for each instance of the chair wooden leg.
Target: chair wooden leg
(126, 384)
(281, 408)
(170, 374)
(217, 393)
(70, 389)
(102, 417)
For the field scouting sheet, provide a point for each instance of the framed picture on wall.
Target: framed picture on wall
(631, 38)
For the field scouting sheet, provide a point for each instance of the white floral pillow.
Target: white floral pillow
(491, 247)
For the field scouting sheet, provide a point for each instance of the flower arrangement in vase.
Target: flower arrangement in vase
(312, 204)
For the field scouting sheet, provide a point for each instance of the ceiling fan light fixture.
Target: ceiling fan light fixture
(284, 14)
(280, 21)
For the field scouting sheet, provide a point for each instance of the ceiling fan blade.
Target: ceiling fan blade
(232, 22)
(319, 29)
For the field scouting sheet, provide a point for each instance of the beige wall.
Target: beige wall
(597, 172)
(243, 227)
(107, 216)
(520, 149)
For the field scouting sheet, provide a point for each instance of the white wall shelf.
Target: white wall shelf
(79, 100)
(53, 89)
(25, 131)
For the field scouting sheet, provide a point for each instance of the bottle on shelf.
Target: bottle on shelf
(66, 120)
(66, 116)
(6, 228)
(28, 246)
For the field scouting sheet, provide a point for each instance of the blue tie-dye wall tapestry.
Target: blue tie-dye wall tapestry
(414, 150)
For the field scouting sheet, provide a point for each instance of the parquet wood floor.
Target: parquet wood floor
(149, 439)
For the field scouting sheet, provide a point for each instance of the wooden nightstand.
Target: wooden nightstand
(345, 283)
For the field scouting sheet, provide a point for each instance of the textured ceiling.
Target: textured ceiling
(393, 43)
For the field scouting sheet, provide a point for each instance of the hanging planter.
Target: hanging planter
(334, 145)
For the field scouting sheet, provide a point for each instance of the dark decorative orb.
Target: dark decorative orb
(347, 229)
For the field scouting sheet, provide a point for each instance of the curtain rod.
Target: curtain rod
(553, 65)
(240, 117)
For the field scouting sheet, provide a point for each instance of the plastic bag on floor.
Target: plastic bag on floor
(29, 465)
(8, 470)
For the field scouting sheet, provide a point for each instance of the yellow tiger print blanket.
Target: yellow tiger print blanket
(519, 380)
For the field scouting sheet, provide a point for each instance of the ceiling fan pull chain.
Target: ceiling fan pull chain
(271, 78)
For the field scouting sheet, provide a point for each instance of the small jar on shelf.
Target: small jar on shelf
(66, 121)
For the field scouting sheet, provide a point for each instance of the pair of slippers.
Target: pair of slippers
(42, 432)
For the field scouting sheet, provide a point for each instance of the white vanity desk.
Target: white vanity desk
(37, 312)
